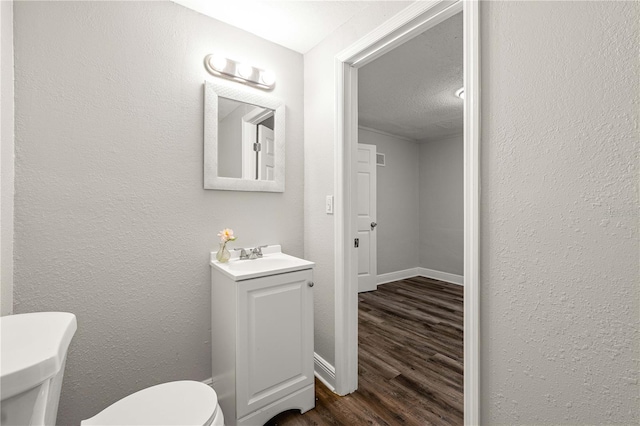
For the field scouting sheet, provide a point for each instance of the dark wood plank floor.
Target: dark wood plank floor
(410, 360)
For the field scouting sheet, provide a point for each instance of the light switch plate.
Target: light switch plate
(329, 204)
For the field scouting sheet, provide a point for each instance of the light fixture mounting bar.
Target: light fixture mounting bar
(219, 66)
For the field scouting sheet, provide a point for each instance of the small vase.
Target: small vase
(223, 254)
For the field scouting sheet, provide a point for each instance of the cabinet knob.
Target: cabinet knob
(310, 283)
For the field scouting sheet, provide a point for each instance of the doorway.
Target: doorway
(412, 21)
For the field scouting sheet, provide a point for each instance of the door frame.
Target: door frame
(250, 123)
(411, 21)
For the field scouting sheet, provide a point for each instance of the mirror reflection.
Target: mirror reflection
(246, 145)
(244, 139)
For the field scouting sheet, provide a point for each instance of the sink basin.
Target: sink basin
(272, 262)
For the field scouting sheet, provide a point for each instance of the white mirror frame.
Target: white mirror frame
(242, 94)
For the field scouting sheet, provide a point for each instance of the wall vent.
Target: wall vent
(380, 161)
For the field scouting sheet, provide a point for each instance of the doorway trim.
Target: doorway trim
(411, 21)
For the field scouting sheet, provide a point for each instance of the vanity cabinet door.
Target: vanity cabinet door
(275, 339)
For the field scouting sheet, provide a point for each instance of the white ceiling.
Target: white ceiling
(410, 91)
(296, 24)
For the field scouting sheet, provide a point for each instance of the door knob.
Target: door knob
(373, 225)
(310, 283)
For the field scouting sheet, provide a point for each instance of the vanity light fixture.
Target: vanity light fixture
(220, 66)
(460, 93)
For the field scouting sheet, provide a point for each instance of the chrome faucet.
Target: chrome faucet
(256, 252)
(251, 254)
(243, 253)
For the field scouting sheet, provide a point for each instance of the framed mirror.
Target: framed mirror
(244, 139)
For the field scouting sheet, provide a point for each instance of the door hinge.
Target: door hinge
(257, 147)
(356, 242)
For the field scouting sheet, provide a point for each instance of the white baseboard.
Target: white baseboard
(420, 272)
(397, 276)
(442, 276)
(208, 382)
(325, 372)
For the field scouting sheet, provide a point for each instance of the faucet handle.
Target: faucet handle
(258, 250)
(243, 252)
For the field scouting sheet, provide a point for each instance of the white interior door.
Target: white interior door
(267, 153)
(367, 249)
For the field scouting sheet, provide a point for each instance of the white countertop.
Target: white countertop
(272, 262)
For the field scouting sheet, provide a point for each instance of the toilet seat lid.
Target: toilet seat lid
(175, 403)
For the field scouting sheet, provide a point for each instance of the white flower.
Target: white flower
(226, 235)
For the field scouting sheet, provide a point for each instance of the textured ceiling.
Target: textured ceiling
(296, 24)
(410, 91)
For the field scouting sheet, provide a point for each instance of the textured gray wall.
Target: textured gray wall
(397, 204)
(7, 165)
(112, 222)
(442, 205)
(559, 238)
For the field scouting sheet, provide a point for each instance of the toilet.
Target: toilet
(32, 359)
(182, 403)
(33, 356)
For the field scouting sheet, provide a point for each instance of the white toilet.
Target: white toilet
(33, 355)
(183, 403)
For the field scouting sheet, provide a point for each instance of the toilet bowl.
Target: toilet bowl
(183, 403)
(32, 359)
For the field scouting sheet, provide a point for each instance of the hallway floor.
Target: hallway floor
(410, 360)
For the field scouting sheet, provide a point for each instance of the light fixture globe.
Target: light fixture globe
(245, 71)
(267, 78)
(217, 62)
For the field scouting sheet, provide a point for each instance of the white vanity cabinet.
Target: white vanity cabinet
(262, 336)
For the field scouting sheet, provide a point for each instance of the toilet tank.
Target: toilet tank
(32, 359)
